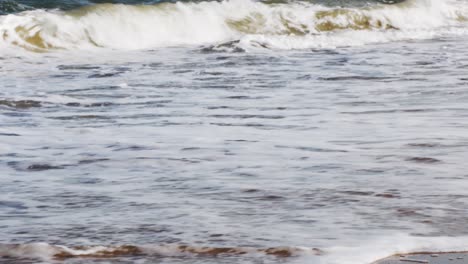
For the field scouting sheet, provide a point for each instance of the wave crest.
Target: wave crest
(291, 25)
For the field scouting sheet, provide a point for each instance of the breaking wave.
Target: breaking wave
(44, 251)
(365, 252)
(243, 23)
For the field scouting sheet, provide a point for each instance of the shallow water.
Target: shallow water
(233, 152)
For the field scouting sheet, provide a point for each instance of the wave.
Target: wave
(44, 251)
(370, 251)
(10, 6)
(246, 23)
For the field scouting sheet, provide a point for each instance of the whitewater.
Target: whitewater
(288, 25)
(238, 131)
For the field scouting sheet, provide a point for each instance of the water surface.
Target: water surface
(232, 132)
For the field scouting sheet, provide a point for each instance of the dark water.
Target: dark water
(12, 6)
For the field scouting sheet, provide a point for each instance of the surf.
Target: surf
(386, 248)
(291, 25)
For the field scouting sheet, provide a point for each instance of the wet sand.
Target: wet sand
(427, 257)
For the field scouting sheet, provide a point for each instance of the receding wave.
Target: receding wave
(246, 23)
(378, 253)
(46, 251)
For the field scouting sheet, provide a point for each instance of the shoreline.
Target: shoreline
(454, 257)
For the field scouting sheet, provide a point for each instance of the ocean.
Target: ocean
(233, 131)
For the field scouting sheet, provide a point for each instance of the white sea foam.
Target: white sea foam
(254, 24)
(362, 252)
(41, 251)
(372, 250)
